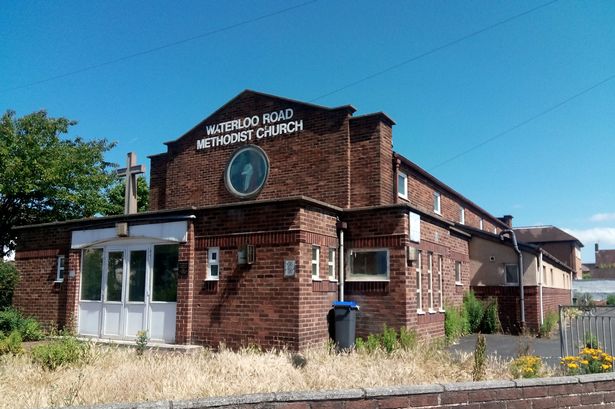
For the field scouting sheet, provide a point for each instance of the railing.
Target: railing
(586, 326)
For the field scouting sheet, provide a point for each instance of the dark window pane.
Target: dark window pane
(370, 263)
(136, 285)
(115, 275)
(91, 276)
(165, 272)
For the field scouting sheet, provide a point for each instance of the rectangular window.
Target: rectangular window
(462, 215)
(402, 185)
(436, 202)
(512, 274)
(480, 224)
(115, 276)
(441, 283)
(91, 274)
(415, 227)
(213, 263)
(166, 265)
(552, 279)
(315, 262)
(544, 275)
(458, 272)
(60, 269)
(419, 284)
(430, 280)
(369, 265)
(331, 264)
(136, 277)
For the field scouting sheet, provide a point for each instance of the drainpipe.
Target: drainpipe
(540, 278)
(341, 226)
(520, 268)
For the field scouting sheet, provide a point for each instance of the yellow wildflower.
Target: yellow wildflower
(584, 362)
(573, 366)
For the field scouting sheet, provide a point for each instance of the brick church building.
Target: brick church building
(260, 217)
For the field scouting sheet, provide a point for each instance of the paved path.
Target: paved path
(509, 346)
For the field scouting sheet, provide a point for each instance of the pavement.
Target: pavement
(510, 346)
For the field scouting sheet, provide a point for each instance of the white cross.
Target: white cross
(130, 172)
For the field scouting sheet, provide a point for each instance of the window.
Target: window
(166, 266)
(512, 274)
(440, 283)
(60, 269)
(430, 280)
(315, 264)
(462, 215)
(458, 272)
(544, 275)
(402, 185)
(552, 280)
(436, 202)
(415, 227)
(369, 265)
(213, 263)
(419, 284)
(480, 224)
(331, 264)
(91, 274)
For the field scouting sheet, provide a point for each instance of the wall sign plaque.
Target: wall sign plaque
(247, 172)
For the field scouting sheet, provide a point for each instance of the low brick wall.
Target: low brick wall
(587, 391)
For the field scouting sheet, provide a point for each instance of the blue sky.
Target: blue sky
(557, 169)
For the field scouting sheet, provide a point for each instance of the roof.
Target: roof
(544, 234)
(597, 272)
(605, 257)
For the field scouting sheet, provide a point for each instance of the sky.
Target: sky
(510, 103)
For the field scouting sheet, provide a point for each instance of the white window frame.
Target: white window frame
(419, 282)
(315, 263)
(458, 273)
(60, 268)
(331, 264)
(437, 202)
(516, 266)
(404, 194)
(430, 281)
(440, 283)
(462, 215)
(373, 277)
(213, 259)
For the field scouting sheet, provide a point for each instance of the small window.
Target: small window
(315, 262)
(430, 280)
(60, 269)
(419, 284)
(544, 275)
(414, 220)
(213, 263)
(441, 283)
(462, 215)
(480, 224)
(436, 202)
(458, 272)
(369, 265)
(552, 279)
(402, 185)
(331, 264)
(512, 274)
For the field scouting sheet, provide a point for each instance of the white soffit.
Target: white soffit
(173, 231)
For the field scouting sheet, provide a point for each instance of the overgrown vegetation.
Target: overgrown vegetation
(589, 360)
(11, 344)
(473, 316)
(60, 352)
(610, 300)
(11, 320)
(142, 340)
(480, 358)
(8, 281)
(526, 366)
(389, 340)
(548, 325)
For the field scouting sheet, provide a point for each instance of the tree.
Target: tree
(115, 196)
(45, 177)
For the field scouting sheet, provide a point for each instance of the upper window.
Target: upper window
(60, 269)
(481, 224)
(331, 264)
(369, 265)
(458, 272)
(512, 274)
(462, 215)
(436, 202)
(414, 221)
(402, 185)
(213, 263)
(315, 262)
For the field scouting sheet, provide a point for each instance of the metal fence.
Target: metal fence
(586, 326)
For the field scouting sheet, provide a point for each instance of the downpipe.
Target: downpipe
(520, 270)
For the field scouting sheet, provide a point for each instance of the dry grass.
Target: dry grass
(115, 374)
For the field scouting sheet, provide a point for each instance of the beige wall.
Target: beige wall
(554, 277)
(487, 271)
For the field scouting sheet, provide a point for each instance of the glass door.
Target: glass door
(137, 296)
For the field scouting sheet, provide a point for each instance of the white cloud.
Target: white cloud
(602, 217)
(602, 235)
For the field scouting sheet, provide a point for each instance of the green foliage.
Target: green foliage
(407, 339)
(590, 340)
(116, 193)
(389, 339)
(46, 177)
(372, 344)
(585, 300)
(455, 323)
(526, 366)
(590, 360)
(60, 352)
(8, 281)
(490, 323)
(12, 320)
(480, 358)
(142, 340)
(475, 310)
(548, 325)
(610, 299)
(11, 344)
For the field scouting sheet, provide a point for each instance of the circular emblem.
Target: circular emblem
(247, 171)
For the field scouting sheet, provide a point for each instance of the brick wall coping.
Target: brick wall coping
(563, 387)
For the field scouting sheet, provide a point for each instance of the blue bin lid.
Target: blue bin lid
(346, 304)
